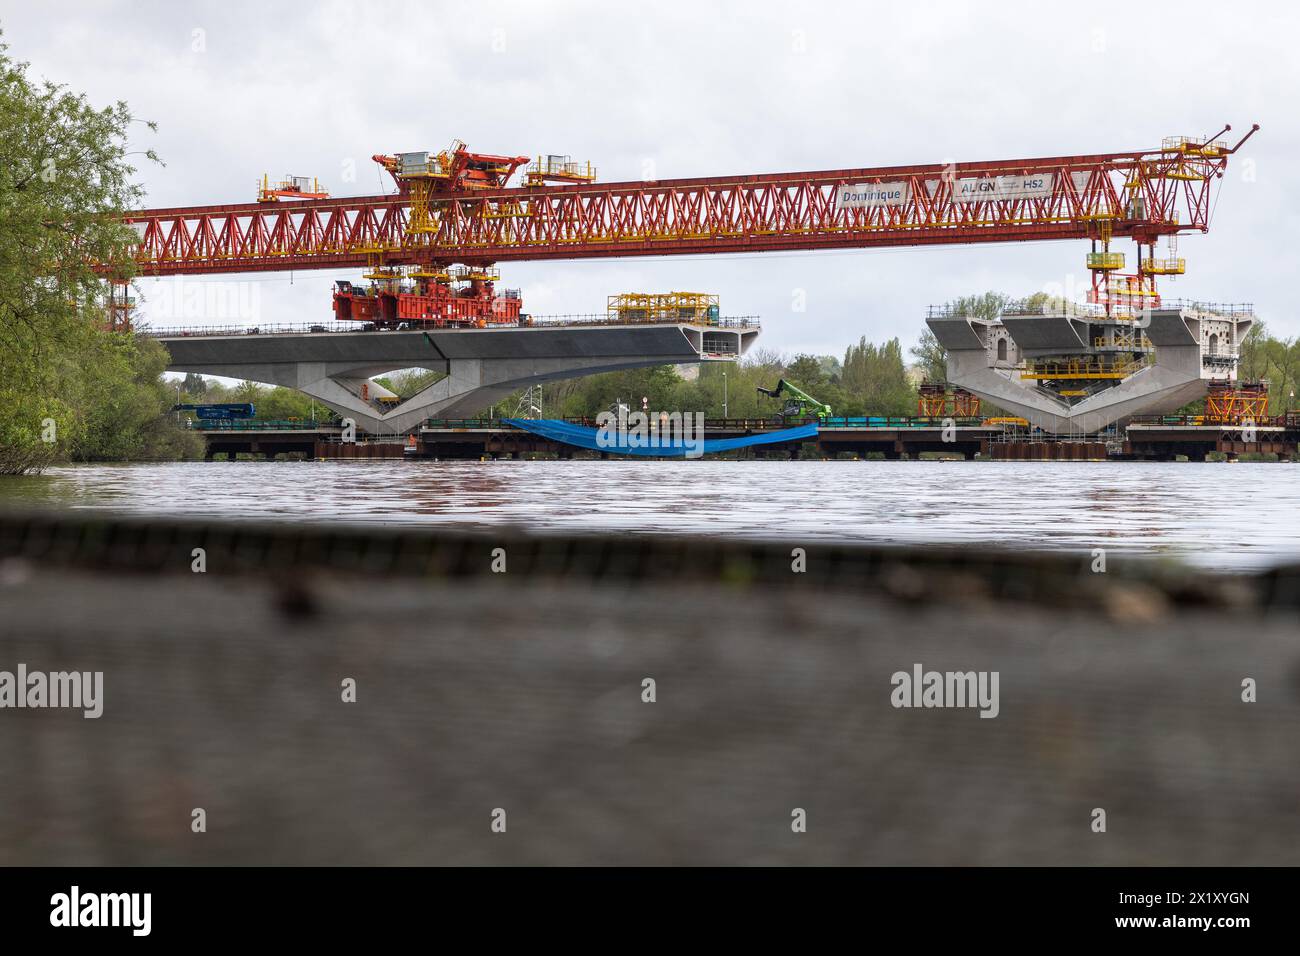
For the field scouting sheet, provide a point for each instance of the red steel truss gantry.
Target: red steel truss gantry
(1139, 195)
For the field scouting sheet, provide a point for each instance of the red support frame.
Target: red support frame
(728, 214)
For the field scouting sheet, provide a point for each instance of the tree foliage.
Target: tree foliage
(931, 357)
(872, 380)
(875, 379)
(68, 388)
(1276, 361)
(270, 402)
(986, 305)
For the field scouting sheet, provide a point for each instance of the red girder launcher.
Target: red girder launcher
(433, 291)
(431, 248)
(1183, 169)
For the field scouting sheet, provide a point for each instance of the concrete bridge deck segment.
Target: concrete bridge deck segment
(479, 366)
(1192, 347)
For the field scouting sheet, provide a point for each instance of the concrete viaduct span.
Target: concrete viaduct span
(480, 366)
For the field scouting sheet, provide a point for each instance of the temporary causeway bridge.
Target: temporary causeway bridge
(1159, 439)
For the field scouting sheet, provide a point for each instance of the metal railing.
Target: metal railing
(712, 424)
(285, 328)
(1094, 312)
(724, 424)
(1008, 426)
(1164, 267)
(564, 167)
(258, 424)
(891, 421)
(535, 321)
(1017, 307)
(462, 423)
(1123, 340)
(729, 322)
(946, 312)
(363, 438)
(1196, 145)
(1049, 307)
(1288, 420)
(1080, 369)
(498, 424)
(1225, 309)
(1105, 260)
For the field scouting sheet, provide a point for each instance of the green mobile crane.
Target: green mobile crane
(799, 405)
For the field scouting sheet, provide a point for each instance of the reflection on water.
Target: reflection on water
(1213, 515)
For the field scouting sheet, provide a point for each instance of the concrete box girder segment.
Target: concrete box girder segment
(1037, 335)
(1177, 375)
(480, 366)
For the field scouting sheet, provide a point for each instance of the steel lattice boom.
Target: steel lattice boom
(1139, 195)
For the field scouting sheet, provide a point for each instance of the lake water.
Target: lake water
(1213, 515)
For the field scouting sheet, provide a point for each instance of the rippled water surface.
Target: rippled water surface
(1231, 516)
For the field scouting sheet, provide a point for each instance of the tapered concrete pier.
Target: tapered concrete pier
(1077, 373)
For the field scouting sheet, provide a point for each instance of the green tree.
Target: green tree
(1253, 353)
(1282, 371)
(195, 385)
(1045, 303)
(410, 381)
(931, 357)
(248, 391)
(808, 372)
(875, 379)
(64, 184)
(987, 305)
(120, 405)
(281, 403)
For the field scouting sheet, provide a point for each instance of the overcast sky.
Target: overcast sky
(703, 89)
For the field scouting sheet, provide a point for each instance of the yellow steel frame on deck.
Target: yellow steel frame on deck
(1071, 371)
(1193, 147)
(423, 219)
(662, 306)
(558, 168)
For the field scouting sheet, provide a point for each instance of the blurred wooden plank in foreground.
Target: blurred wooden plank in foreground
(523, 691)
